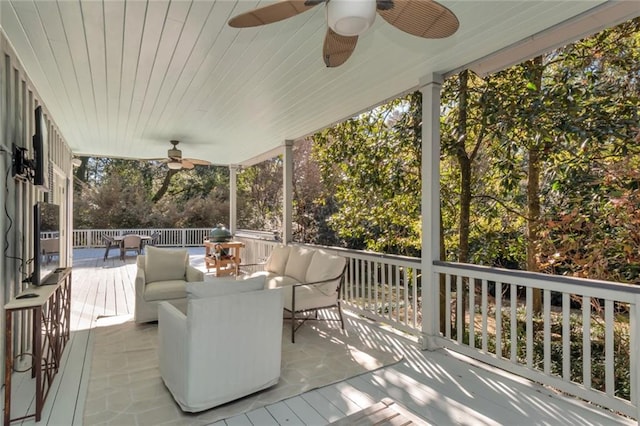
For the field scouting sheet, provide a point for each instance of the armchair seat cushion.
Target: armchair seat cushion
(165, 290)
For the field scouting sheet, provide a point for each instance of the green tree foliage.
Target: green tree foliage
(112, 193)
(260, 196)
(591, 187)
(373, 165)
(312, 200)
(575, 111)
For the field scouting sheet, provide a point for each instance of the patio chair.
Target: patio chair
(151, 241)
(108, 243)
(155, 237)
(130, 243)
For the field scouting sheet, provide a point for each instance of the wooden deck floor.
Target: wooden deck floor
(440, 387)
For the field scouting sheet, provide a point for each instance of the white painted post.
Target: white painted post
(430, 88)
(287, 199)
(233, 198)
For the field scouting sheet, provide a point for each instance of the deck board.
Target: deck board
(69, 378)
(262, 417)
(305, 411)
(323, 406)
(284, 415)
(440, 387)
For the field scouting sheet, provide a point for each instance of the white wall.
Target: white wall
(18, 99)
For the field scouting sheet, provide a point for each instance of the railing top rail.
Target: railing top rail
(413, 261)
(367, 254)
(510, 273)
(142, 228)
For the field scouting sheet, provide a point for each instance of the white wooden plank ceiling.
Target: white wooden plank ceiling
(122, 78)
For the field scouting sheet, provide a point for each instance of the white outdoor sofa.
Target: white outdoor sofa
(311, 278)
(162, 275)
(227, 345)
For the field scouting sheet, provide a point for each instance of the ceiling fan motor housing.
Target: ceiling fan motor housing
(174, 153)
(351, 17)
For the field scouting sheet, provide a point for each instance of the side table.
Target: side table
(51, 310)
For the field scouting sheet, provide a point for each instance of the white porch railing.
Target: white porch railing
(193, 237)
(569, 345)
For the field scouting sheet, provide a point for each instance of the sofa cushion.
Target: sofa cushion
(276, 281)
(221, 287)
(265, 274)
(324, 266)
(298, 262)
(307, 297)
(163, 264)
(164, 290)
(277, 260)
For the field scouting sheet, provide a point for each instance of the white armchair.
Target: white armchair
(162, 275)
(226, 346)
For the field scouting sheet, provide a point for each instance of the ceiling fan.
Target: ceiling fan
(176, 162)
(347, 19)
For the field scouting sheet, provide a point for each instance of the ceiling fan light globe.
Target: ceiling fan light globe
(175, 165)
(351, 17)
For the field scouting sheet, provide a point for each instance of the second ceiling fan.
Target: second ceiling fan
(176, 162)
(347, 19)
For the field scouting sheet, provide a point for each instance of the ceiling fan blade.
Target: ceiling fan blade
(275, 12)
(186, 164)
(337, 48)
(197, 162)
(422, 18)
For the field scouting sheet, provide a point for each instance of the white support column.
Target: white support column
(287, 199)
(233, 198)
(430, 88)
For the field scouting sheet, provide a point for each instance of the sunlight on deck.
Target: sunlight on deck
(442, 387)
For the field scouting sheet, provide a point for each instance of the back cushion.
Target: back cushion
(324, 266)
(278, 260)
(222, 287)
(299, 259)
(163, 264)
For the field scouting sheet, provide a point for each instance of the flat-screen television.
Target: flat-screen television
(41, 151)
(46, 242)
